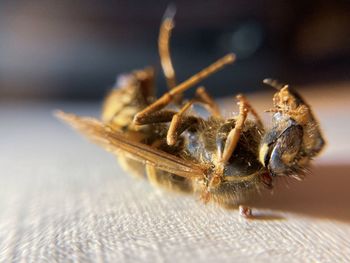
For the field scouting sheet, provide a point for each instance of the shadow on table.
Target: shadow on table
(325, 193)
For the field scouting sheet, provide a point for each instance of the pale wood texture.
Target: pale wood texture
(65, 200)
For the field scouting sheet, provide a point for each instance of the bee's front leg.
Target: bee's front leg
(235, 133)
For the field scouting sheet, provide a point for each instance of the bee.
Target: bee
(223, 160)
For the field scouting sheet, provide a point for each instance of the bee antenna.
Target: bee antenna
(274, 83)
(170, 12)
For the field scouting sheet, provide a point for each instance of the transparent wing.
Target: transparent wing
(115, 142)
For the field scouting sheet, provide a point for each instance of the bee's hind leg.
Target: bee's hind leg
(169, 97)
(164, 49)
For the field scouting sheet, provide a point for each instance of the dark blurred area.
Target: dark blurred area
(73, 50)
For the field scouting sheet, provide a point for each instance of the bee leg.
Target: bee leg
(180, 122)
(168, 97)
(245, 211)
(156, 117)
(164, 52)
(164, 49)
(146, 79)
(208, 102)
(235, 133)
(243, 99)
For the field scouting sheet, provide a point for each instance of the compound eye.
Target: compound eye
(276, 165)
(285, 150)
(279, 156)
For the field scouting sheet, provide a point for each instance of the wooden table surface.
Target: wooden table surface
(65, 200)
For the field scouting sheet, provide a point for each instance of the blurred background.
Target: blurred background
(73, 50)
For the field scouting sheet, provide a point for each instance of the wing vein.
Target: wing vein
(115, 142)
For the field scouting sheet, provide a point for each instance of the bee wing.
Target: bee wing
(115, 142)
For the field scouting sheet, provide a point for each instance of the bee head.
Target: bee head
(294, 138)
(280, 149)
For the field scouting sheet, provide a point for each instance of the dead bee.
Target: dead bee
(224, 160)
